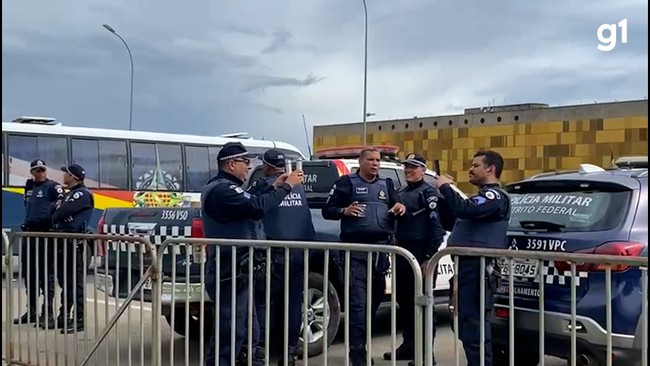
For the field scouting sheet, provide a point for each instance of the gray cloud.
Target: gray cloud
(265, 82)
(205, 67)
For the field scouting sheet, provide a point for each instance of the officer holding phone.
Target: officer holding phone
(481, 221)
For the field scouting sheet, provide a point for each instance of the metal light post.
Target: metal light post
(110, 29)
(365, 72)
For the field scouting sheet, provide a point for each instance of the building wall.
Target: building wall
(531, 141)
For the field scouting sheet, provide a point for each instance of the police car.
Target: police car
(159, 224)
(591, 210)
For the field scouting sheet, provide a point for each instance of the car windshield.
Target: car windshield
(568, 211)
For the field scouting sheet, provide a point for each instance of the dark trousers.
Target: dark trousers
(469, 311)
(70, 277)
(296, 278)
(225, 295)
(405, 296)
(359, 282)
(37, 270)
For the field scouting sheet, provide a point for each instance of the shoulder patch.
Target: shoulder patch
(59, 189)
(76, 195)
(492, 194)
(433, 204)
(432, 198)
(239, 190)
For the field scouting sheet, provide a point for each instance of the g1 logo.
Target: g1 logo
(607, 35)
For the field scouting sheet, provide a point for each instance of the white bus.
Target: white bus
(123, 168)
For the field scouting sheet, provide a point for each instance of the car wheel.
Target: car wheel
(317, 316)
(194, 326)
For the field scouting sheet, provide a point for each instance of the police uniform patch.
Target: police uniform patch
(381, 195)
(239, 190)
(490, 195)
(77, 195)
(410, 156)
(433, 205)
(59, 189)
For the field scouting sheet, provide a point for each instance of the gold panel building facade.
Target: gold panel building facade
(532, 138)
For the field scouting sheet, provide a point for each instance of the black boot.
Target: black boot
(412, 363)
(27, 318)
(73, 327)
(402, 353)
(358, 357)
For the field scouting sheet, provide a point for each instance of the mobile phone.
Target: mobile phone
(436, 167)
(287, 166)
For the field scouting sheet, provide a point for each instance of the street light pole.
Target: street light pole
(110, 29)
(365, 72)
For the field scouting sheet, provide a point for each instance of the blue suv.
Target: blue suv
(592, 210)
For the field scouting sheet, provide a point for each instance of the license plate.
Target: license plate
(147, 284)
(520, 268)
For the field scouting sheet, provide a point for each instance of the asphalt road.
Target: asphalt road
(131, 339)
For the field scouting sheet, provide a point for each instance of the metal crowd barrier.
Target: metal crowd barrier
(510, 256)
(175, 292)
(44, 260)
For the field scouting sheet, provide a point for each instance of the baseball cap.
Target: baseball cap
(415, 159)
(37, 164)
(273, 158)
(233, 150)
(75, 170)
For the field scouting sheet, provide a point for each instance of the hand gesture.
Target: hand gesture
(443, 179)
(399, 209)
(354, 209)
(294, 178)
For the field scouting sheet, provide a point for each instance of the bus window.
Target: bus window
(213, 152)
(86, 154)
(54, 150)
(156, 167)
(197, 167)
(113, 166)
(24, 149)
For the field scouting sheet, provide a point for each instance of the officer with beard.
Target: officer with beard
(419, 231)
(481, 221)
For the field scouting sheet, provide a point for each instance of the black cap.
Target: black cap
(234, 150)
(75, 170)
(37, 164)
(415, 159)
(273, 158)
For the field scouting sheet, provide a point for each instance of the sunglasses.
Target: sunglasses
(245, 161)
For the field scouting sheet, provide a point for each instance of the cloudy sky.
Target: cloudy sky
(214, 67)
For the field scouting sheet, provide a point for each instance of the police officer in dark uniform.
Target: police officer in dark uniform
(419, 231)
(41, 197)
(366, 204)
(481, 222)
(227, 211)
(291, 220)
(72, 216)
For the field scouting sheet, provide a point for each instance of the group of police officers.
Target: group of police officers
(49, 208)
(370, 211)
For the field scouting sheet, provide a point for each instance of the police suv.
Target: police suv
(592, 210)
(159, 224)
